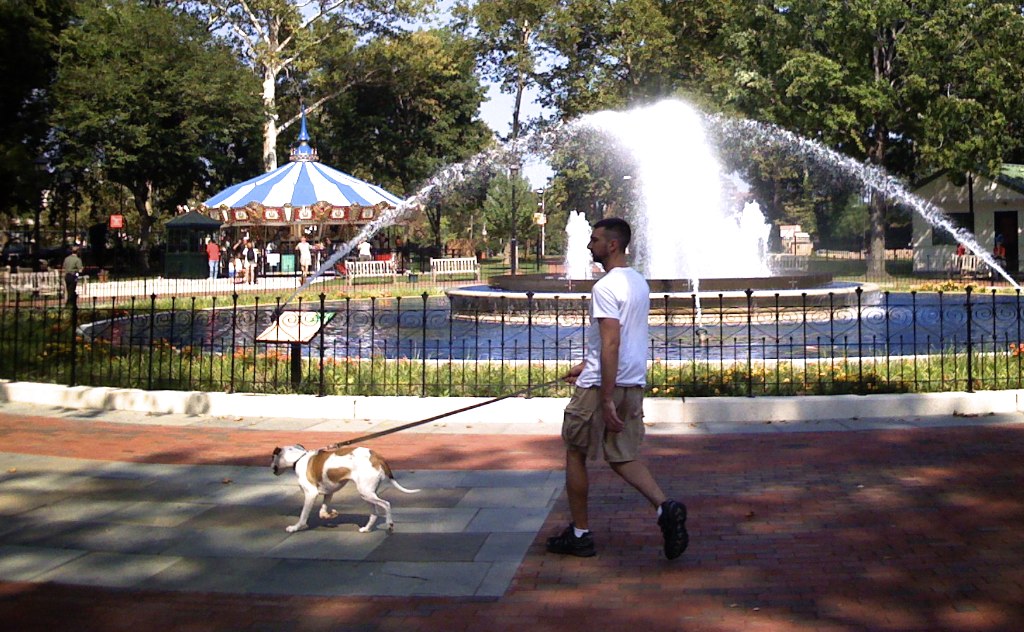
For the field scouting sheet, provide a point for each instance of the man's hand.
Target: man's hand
(574, 372)
(612, 421)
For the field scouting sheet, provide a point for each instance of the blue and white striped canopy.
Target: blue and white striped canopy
(303, 183)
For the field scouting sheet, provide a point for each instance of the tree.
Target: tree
(28, 45)
(277, 39)
(148, 100)
(607, 55)
(500, 212)
(905, 86)
(506, 34)
(418, 114)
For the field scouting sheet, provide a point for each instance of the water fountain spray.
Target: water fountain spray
(685, 226)
(873, 178)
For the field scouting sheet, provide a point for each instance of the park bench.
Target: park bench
(966, 265)
(785, 263)
(370, 269)
(454, 265)
(49, 283)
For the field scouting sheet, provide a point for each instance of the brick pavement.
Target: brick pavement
(901, 529)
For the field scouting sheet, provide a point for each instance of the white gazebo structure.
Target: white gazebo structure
(991, 209)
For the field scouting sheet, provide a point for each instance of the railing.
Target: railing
(765, 345)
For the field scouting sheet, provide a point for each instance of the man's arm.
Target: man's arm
(610, 341)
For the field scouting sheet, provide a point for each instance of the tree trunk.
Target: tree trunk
(269, 119)
(883, 61)
(520, 83)
(143, 197)
(877, 208)
(876, 239)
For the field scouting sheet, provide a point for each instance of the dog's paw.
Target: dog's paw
(364, 529)
(391, 527)
(327, 515)
(295, 527)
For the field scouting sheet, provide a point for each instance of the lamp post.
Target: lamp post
(543, 220)
(43, 169)
(513, 246)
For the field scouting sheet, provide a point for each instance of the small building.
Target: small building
(795, 241)
(989, 209)
(186, 246)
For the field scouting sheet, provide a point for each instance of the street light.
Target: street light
(513, 246)
(541, 219)
(543, 211)
(42, 167)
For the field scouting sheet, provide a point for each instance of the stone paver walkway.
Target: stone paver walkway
(116, 522)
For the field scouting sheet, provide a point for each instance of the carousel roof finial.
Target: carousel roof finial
(303, 152)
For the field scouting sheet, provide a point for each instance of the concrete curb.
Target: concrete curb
(512, 410)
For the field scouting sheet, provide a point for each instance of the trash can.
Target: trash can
(287, 263)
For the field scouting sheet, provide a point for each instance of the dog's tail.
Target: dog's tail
(394, 483)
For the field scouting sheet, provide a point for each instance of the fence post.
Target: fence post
(1016, 313)
(750, 342)
(152, 332)
(860, 337)
(423, 347)
(970, 345)
(234, 340)
(14, 341)
(323, 316)
(529, 342)
(74, 340)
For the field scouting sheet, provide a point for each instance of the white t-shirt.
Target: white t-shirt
(364, 249)
(305, 255)
(622, 294)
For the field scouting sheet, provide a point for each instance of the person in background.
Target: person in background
(364, 250)
(249, 261)
(999, 251)
(213, 257)
(227, 263)
(72, 268)
(305, 257)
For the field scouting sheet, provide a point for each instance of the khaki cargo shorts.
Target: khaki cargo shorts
(583, 424)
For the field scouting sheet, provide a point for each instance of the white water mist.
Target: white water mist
(578, 260)
(685, 226)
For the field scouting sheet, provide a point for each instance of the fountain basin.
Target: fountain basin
(535, 294)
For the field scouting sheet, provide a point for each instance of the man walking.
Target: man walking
(605, 414)
(72, 268)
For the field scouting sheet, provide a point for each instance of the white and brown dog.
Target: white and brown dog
(326, 471)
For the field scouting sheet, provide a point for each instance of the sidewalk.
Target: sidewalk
(115, 520)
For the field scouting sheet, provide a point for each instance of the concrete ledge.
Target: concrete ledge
(513, 410)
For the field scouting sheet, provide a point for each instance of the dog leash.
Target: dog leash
(413, 424)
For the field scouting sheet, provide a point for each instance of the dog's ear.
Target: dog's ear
(277, 451)
(300, 447)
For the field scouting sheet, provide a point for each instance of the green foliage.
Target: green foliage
(505, 34)
(615, 54)
(147, 99)
(28, 51)
(281, 42)
(509, 199)
(415, 113)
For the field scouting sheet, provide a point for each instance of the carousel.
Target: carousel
(301, 198)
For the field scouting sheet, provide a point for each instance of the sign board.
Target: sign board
(295, 327)
(117, 221)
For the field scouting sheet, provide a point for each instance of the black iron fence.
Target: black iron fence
(754, 343)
